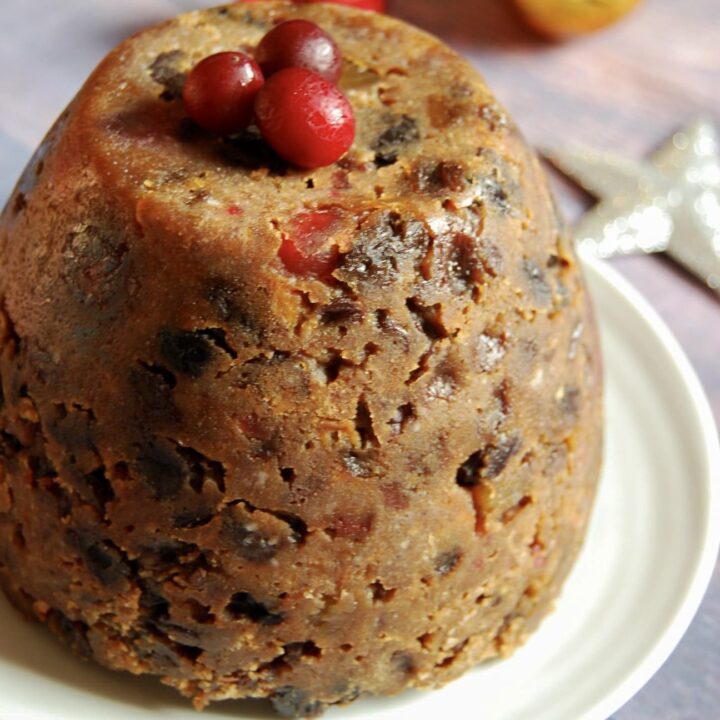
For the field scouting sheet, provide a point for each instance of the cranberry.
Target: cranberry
(306, 250)
(220, 90)
(299, 43)
(377, 5)
(305, 118)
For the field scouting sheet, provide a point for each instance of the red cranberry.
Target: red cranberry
(305, 118)
(306, 249)
(299, 43)
(377, 5)
(220, 90)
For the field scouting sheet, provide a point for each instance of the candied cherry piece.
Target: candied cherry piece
(305, 118)
(307, 249)
(220, 91)
(299, 43)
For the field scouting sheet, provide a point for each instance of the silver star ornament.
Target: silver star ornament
(670, 203)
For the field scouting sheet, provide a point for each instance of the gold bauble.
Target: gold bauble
(559, 18)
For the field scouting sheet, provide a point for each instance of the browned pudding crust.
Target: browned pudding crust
(257, 484)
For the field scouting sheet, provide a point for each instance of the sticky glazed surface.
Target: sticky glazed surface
(290, 434)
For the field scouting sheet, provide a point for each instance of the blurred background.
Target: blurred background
(624, 88)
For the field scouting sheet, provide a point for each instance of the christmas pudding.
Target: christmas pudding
(276, 432)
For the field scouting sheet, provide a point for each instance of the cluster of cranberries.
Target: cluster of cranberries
(288, 90)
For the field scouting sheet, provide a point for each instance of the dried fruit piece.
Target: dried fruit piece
(306, 250)
(165, 70)
(187, 351)
(244, 605)
(389, 143)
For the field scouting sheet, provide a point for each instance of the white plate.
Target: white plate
(647, 561)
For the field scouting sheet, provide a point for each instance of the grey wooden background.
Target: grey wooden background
(625, 89)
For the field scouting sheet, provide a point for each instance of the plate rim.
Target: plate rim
(694, 592)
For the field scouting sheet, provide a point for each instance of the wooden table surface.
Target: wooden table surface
(626, 89)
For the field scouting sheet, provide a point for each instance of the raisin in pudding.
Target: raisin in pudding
(271, 432)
